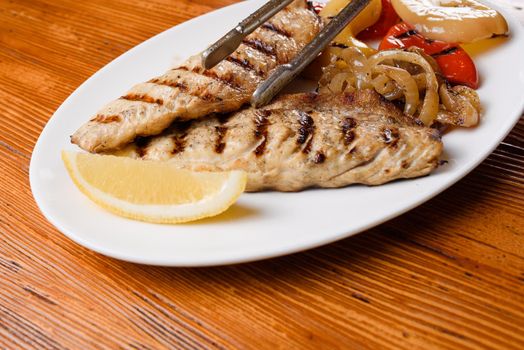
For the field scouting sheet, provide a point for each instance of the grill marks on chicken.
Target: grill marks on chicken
(302, 141)
(306, 131)
(174, 84)
(262, 47)
(142, 98)
(190, 91)
(272, 27)
(106, 119)
(261, 127)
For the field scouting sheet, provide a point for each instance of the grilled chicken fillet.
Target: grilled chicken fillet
(302, 141)
(190, 91)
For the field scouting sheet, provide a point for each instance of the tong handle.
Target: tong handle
(230, 42)
(284, 74)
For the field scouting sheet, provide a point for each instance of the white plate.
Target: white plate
(260, 225)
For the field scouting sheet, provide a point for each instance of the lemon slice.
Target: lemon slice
(153, 191)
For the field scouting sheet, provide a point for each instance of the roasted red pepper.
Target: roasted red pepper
(388, 18)
(456, 65)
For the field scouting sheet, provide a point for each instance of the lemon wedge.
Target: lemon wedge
(150, 191)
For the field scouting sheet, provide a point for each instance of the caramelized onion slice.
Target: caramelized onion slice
(462, 106)
(358, 63)
(406, 83)
(386, 87)
(429, 109)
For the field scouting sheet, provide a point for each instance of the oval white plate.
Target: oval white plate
(260, 225)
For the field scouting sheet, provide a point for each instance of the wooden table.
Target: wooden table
(449, 274)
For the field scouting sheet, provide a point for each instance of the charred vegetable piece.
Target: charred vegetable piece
(347, 37)
(388, 18)
(456, 65)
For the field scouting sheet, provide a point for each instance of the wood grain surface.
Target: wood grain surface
(449, 274)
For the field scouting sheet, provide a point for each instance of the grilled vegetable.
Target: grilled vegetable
(366, 18)
(454, 21)
(388, 18)
(455, 64)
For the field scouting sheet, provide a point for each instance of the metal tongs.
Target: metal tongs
(285, 73)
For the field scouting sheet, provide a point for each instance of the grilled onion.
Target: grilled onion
(455, 21)
(404, 77)
(462, 106)
(406, 83)
(429, 109)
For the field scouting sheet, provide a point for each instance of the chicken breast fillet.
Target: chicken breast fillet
(190, 91)
(302, 141)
